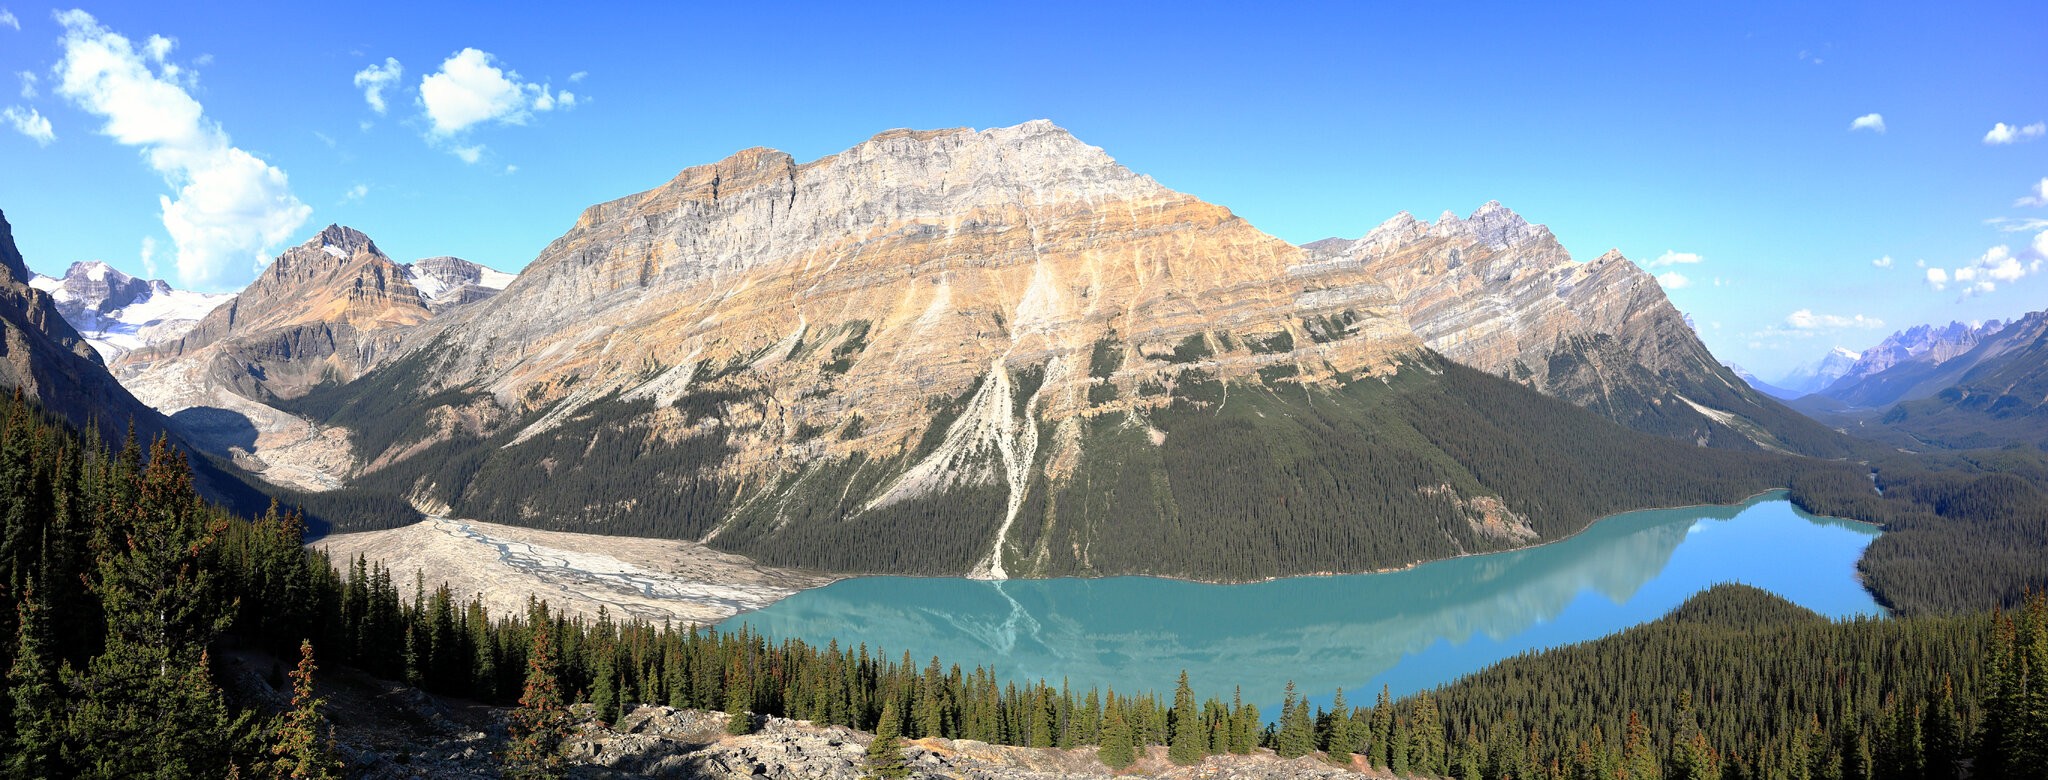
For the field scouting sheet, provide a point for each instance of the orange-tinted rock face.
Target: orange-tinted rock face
(864, 284)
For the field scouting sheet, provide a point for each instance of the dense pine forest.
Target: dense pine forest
(122, 585)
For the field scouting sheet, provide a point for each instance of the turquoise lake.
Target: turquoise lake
(1410, 629)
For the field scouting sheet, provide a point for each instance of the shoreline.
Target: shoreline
(835, 577)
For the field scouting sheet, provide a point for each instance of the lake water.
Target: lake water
(1410, 630)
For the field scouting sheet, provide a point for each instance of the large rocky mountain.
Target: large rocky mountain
(118, 313)
(321, 312)
(1909, 364)
(1499, 294)
(45, 358)
(1001, 352)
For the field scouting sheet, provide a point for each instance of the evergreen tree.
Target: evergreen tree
(1117, 750)
(301, 749)
(542, 721)
(1297, 736)
(885, 751)
(1342, 743)
(37, 700)
(1382, 736)
(1188, 741)
(604, 688)
(739, 701)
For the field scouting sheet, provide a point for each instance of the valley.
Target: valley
(632, 579)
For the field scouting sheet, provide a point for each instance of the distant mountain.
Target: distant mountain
(1500, 294)
(1910, 364)
(118, 313)
(1766, 388)
(45, 358)
(1002, 353)
(324, 311)
(1818, 375)
(1993, 395)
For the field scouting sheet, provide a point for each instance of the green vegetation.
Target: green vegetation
(1740, 683)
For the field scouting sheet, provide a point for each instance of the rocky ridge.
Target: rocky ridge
(45, 358)
(1905, 365)
(118, 313)
(1498, 293)
(323, 311)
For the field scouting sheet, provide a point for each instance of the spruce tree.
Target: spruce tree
(739, 701)
(301, 749)
(604, 688)
(35, 693)
(1382, 737)
(1187, 741)
(542, 720)
(1117, 750)
(885, 751)
(1342, 742)
(1297, 736)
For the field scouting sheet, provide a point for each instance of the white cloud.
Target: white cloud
(1998, 265)
(355, 193)
(2035, 197)
(28, 84)
(2002, 133)
(1883, 262)
(149, 256)
(469, 154)
(231, 207)
(1673, 280)
(471, 89)
(2040, 248)
(31, 123)
(1673, 257)
(2015, 225)
(7, 18)
(1868, 122)
(1805, 319)
(374, 79)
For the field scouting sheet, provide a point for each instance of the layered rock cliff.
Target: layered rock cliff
(1001, 352)
(1500, 294)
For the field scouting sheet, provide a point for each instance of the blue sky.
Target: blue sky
(1721, 135)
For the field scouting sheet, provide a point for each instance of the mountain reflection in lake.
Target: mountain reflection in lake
(1409, 629)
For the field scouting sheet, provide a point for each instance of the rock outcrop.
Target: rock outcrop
(1500, 294)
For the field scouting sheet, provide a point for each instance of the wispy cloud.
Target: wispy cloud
(356, 193)
(1806, 319)
(2016, 224)
(2037, 197)
(231, 206)
(29, 122)
(1872, 122)
(7, 19)
(28, 84)
(1673, 280)
(1882, 262)
(2003, 134)
(1673, 257)
(374, 79)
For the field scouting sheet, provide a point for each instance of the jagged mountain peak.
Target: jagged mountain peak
(342, 241)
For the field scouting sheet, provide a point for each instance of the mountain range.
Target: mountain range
(993, 352)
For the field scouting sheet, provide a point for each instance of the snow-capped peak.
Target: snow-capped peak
(119, 313)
